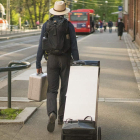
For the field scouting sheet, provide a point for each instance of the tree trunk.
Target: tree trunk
(40, 7)
(45, 10)
(29, 12)
(34, 3)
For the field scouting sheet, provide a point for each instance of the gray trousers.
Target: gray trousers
(57, 66)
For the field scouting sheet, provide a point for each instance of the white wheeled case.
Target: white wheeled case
(81, 109)
(38, 85)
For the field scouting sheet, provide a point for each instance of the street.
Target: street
(20, 49)
(119, 95)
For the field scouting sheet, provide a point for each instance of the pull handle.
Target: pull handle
(88, 117)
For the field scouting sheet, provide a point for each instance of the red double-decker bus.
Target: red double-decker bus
(83, 20)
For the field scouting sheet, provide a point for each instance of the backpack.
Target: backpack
(56, 39)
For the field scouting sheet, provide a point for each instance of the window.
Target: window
(79, 18)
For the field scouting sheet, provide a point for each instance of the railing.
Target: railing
(14, 29)
(13, 66)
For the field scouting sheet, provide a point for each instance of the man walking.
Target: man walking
(58, 30)
(110, 25)
(120, 28)
(104, 25)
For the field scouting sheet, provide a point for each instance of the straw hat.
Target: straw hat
(59, 8)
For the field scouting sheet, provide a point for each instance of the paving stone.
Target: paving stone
(138, 79)
(135, 68)
(138, 64)
(135, 57)
(134, 64)
(129, 50)
(132, 60)
(139, 86)
(130, 54)
(134, 54)
(135, 71)
(137, 75)
(137, 60)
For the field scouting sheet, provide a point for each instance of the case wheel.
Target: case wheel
(99, 133)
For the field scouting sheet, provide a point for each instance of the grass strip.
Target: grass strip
(9, 113)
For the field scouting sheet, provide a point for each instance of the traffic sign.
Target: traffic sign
(120, 8)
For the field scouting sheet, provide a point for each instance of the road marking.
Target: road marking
(16, 39)
(15, 99)
(83, 38)
(15, 44)
(111, 100)
(18, 51)
(119, 100)
(8, 46)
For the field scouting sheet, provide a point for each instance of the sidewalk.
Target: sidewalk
(119, 95)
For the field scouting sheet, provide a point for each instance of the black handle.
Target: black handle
(86, 63)
(88, 117)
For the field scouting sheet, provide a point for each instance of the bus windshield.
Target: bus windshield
(78, 17)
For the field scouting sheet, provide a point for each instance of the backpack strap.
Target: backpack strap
(49, 22)
(67, 30)
(47, 29)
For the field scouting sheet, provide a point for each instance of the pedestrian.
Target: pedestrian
(110, 25)
(37, 23)
(97, 26)
(26, 22)
(101, 26)
(120, 28)
(104, 25)
(58, 64)
(116, 25)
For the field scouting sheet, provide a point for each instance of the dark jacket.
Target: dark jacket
(110, 24)
(74, 48)
(121, 26)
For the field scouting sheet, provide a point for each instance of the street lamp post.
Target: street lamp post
(106, 10)
(83, 4)
(8, 12)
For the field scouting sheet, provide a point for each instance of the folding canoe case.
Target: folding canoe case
(38, 85)
(82, 101)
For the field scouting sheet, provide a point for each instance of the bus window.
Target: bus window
(78, 17)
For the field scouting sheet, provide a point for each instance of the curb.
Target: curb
(15, 99)
(22, 117)
(19, 36)
(134, 55)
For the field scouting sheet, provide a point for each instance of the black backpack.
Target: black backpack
(56, 39)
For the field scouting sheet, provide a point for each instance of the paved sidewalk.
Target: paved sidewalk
(119, 95)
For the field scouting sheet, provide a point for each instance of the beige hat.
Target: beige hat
(59, 8)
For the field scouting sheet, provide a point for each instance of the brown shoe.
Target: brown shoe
(51, 122)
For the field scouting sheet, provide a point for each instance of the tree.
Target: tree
(32, 10)
(101, 8)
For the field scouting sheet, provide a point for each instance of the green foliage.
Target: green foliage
(101, 8)
(34, 10)
(31, 10)
(9, 113)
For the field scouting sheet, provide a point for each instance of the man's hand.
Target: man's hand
(39, 71)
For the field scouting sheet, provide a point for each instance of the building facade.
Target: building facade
(134, 20)
(125, 12)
